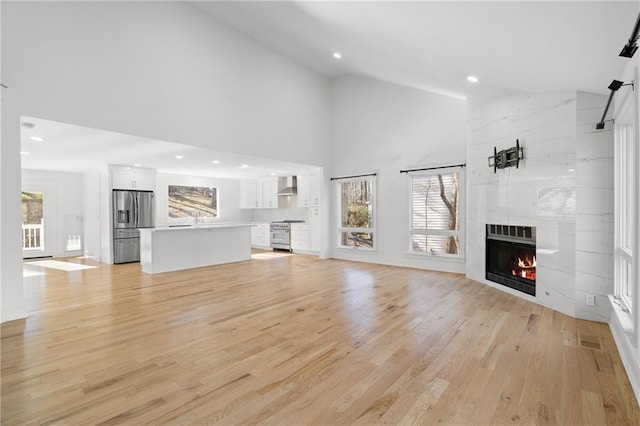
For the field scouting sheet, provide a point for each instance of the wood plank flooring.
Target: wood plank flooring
(296, 340)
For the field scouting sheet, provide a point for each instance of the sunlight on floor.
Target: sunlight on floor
(267, 255)
(56, 264)
(26, 272)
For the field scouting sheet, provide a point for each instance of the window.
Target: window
(625, 197)
(435, 220)
(192, 201)
(32, 221)
(356, 210)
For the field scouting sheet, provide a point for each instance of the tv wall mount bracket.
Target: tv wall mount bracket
(507, 157)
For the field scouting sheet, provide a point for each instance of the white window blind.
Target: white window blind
(435, 221)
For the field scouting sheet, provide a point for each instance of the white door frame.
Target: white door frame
(50, 216)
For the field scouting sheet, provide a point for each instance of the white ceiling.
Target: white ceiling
(511, 46)
(76, 149)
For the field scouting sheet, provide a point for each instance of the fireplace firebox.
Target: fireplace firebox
(511, 256)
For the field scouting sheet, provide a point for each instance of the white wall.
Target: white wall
(594, 209)
(228, 198)
(383, 128)
(161, 70)
(67, 204)
(92, 193)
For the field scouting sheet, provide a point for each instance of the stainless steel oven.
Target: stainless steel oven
(280, 235)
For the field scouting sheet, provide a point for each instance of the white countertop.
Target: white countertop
(197, 226)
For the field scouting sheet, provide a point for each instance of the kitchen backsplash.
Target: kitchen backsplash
(270, 215)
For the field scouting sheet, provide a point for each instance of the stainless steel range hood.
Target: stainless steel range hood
(287, 185)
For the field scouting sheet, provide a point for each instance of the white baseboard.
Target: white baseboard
(12, 314)
(629, 360)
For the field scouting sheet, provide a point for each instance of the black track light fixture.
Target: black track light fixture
(630, 48)
(614, 86)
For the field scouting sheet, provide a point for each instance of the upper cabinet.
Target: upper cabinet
(314, 190)
(303, 191)
(261, 194)
(129, 178)
(270, 193)
(249, 196)
(309, 191)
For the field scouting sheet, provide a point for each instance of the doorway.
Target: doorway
(38, 219)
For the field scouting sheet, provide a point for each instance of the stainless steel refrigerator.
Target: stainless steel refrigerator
(131, 210)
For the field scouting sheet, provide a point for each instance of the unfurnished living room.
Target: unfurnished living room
(320, 212)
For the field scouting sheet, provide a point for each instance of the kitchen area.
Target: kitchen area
(124, 210)
(169, 228)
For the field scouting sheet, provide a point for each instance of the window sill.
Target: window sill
(356, 250)
(445, 257)
(625, 318)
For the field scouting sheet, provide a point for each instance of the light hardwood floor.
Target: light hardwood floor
(297, 340)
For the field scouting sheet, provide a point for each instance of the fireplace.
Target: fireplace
(511, 257)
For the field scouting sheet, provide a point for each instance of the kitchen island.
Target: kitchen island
(184, 247)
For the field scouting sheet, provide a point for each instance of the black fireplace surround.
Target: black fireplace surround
(511, 257)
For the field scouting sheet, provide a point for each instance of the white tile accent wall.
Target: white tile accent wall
(556, 189)
(595, 209)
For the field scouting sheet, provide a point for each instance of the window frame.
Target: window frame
(202, 218)
(460, 233)
(626, 289)
(338, 229)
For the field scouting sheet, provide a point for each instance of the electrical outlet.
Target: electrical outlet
(591, 300)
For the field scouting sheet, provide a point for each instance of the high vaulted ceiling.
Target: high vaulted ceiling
(511, 46)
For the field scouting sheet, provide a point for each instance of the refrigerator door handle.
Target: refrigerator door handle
(136, 202)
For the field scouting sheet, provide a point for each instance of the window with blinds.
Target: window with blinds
(435, 213)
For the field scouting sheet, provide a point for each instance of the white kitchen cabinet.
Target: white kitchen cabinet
(314, 229)
(309, 191)
(260, 194)
(136, 180)
(314, 190)
(299, 236)
(260, 235)
(249, 198)
(303, 191)
(269, 193)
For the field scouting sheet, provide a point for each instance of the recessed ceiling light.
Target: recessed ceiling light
(244, 166)
(337, 55)
(472, 78)
(215, 162)
(572, 170)
(24, 153)
(137, 165)
(272, 174)
(36, 138)
(179, 157)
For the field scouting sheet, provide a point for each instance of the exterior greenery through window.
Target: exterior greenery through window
(192, 201)
(435, 213)
(356, 210)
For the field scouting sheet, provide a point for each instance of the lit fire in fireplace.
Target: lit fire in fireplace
(526, 268)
